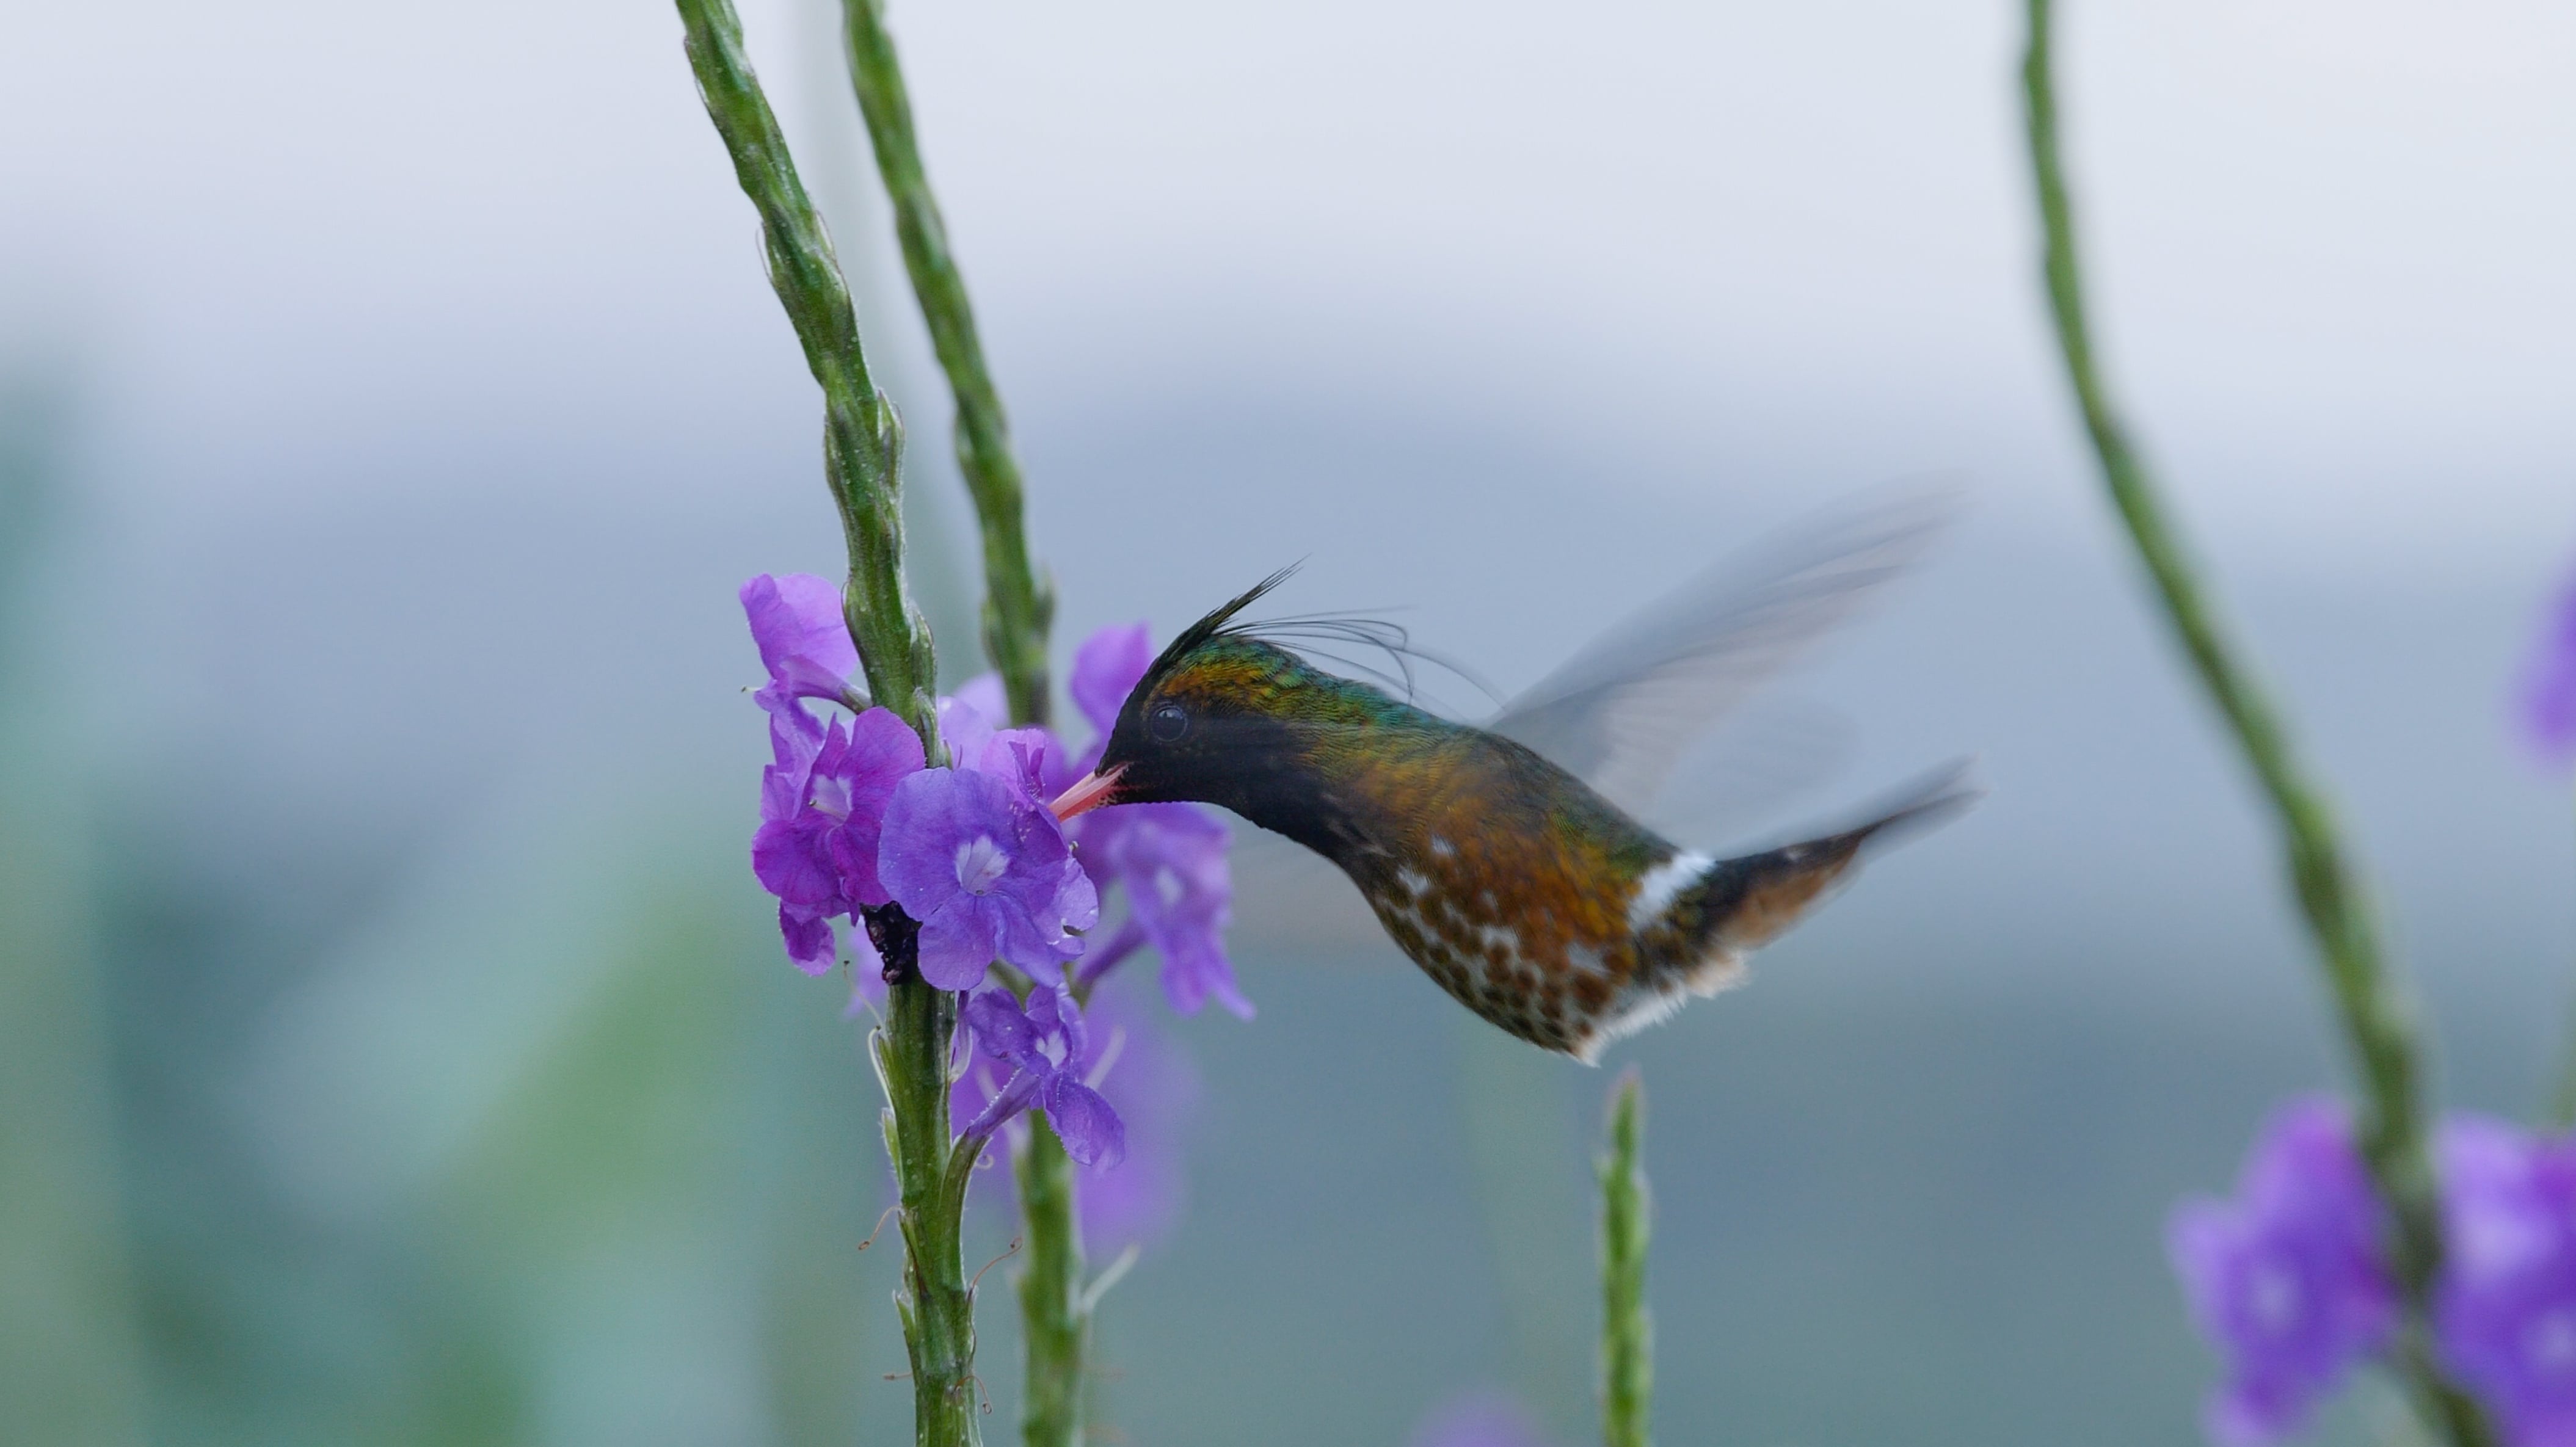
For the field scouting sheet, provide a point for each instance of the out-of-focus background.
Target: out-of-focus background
(396, 1047)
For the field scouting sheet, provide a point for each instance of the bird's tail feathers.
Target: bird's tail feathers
(1748, 901)
(1707, 916)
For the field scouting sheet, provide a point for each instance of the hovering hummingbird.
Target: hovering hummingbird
(1506, 860)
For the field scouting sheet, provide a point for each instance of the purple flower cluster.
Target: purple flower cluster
(853, 825)
(851, 820)
(2290, 1279)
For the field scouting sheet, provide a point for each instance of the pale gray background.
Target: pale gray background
(420, 404)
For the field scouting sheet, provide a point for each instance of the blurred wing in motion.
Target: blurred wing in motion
(1621, 712)
(1752, 767)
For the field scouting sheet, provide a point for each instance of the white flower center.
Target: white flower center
(2274, 1299)
(832, 797)
(980, 864)
(2550, 1343)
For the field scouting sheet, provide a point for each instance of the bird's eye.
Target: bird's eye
(1167, 723)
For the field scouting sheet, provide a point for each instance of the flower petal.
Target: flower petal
(792, 862)
(1052, 1009)
(798, 616)
(1107, 668)
(809, 940)
(928, 816)
(959, 941)
(883, 751)
(1002, 1029)
(1091, 1131)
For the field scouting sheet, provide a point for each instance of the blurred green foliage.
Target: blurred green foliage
(262, 1187)
(70, 1364)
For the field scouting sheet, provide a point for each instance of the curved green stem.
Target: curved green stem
(2377, 1017)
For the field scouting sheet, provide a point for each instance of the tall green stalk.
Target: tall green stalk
(1018, 610)
(863, 451)
(1627, 1332)
(1054, 1317)
(1019, 606)
(2376, 1014)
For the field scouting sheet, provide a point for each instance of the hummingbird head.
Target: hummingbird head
(1208, 718)
(1226, 717)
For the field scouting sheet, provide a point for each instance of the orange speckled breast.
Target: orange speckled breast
(1504, 879)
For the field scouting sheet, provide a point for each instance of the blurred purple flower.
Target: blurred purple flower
(1045, 1047)
(1107, 668)
(1180, 895)
(2288, 1279)
(804, 642)
(2549, 695)
(985, 869)
(1170, 857)
(1478, 1419)
(2505, 1305)
(1148, 1079)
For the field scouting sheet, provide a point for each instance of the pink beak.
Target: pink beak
(1090, 793)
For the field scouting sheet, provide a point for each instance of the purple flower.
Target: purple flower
(1045, 1047)
(1148, 1079)
(1170, 857)
(1180, 896)
(820, 806)
(804, 642)
(2289, 1279)
(1030, 759)
(2549, 694)
(985, 869)
(2505, 1305)
(1478, 1419)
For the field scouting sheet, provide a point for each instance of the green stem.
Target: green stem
(1019, 607)
(935, 1304)
(1627, 1332)
(863, 449)
(2377, 1017)
(1054, 1317)
(862, 437)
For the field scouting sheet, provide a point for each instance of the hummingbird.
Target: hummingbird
(1506, 859)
